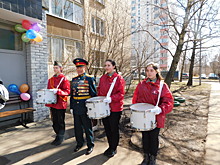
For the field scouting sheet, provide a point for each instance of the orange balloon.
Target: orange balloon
(24, 88)
(39, 38)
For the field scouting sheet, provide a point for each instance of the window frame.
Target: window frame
(64, 40)
(101, 31)
(74, 13)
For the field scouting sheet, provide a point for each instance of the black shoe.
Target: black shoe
(55, 140)
(146, 159)
(107, 151)
(77, 148)
(111, 153)
(89, 150)
(59, 141)
(152, 160)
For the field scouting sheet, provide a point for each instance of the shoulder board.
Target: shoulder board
(75, 76)
(89, 75)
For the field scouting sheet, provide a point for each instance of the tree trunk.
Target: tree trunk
(176, 59)
(182, 68)
(190, 81)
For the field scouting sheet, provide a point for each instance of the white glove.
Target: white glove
(108, 100)
(157, 110)
(71, 111)
(55, 91)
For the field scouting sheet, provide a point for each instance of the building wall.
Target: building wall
(64, 34)
(37, 74)
(31, 8)
(148, 16)
(112, 39)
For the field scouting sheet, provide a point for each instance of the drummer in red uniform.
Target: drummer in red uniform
(58, 110)
(111, 123)
(147, 92)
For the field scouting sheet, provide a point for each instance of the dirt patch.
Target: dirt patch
(186, 127)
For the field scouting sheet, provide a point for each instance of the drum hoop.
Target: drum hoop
(139, 111)
(99, 117)
(138, 129)
(97, 101)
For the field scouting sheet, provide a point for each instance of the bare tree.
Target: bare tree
(107, 35)
(206, 16)
(178, 26)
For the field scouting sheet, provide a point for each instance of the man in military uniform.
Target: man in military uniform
(82, 88)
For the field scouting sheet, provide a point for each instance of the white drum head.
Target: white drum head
(141, 106)
(94, 99)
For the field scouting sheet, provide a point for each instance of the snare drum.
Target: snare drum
(141, 119)
(97, 109)
(46, 96)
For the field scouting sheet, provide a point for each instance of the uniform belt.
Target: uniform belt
(82, 97)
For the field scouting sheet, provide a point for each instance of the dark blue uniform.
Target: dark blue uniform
(82, 88)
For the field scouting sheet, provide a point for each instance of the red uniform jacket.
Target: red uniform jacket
(62, 93)
(117, 94)
(147, 92)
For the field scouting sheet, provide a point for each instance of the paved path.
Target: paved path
(213, 133)
(20, 146)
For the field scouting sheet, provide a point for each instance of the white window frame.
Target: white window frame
(51, 37)
(62, 17)
(94, 30)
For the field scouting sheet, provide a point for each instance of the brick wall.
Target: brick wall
(37, 71)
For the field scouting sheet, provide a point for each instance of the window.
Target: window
(78, 14)
(9, 39)
(57, 7)
(98, 58)
(57, 50)
(98, 26)
(66, 9)
(62, 49)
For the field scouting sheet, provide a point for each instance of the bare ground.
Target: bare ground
(186, 126)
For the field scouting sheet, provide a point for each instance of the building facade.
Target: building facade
(107, 34)
(65, 24)
(149, 33)
(23, 63)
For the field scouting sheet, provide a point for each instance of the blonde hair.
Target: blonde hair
(155, 66)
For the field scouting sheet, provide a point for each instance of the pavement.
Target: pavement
(21, 146)
(212, 156)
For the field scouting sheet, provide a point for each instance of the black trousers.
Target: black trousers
(83, 122)
(58, 118)
(150, 141)
(111, 125)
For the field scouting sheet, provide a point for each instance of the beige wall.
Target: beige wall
(116, 43)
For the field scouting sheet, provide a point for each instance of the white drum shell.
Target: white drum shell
(46, 96)
(141, 120)
(97, 109)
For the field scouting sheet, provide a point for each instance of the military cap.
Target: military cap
(57, 63)
(80, 62)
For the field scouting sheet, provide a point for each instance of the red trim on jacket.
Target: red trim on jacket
(62, 93)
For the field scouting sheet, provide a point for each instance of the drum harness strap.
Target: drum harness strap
(64, 98)
(111, 87)
(160, 91)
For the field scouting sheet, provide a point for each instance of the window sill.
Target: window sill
(97, 34)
